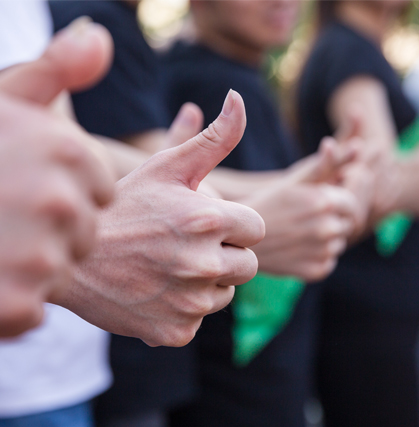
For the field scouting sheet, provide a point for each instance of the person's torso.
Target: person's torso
(388, 284)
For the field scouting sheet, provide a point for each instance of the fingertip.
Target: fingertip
(190, 115)
(81, 53)
(327, 142)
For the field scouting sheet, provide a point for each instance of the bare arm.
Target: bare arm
(234, 184)
(150, 141)
(377, 131)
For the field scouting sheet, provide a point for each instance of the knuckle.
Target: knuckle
(328, 228)
(20, 319)
(198, 305)
(45, 264)
(320, 270)
(58, 201)
(323, 231)
(213, 272)
(250, 267)
(225, 299)
(71, 152)
(323, 202)
(206, 270)
(210, 135)
(255, 225)
(202, 221)
(179, 336)
(62, 209)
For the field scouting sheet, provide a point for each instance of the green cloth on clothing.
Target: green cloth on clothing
(391, 231)
(261, 309)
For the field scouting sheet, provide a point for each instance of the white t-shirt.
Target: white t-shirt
(64, 361)
(25, 27)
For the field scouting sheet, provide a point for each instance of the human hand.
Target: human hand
(167, 256)
(50, 184)
(376, 178)
(359, 180)
(308, 220)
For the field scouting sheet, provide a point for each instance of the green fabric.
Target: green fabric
(261, 309)
(391, 231)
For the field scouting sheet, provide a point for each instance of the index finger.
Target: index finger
(340, 200)
(242, 226)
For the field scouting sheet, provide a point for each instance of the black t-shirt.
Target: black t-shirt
(339, 54)
(196, 74)
(128, 100)
(271, 390)
(386, 285)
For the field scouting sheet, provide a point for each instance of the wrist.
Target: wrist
(406, 199)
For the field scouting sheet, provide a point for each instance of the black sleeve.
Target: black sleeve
(347, 55)
(339, 55)
(129, 99)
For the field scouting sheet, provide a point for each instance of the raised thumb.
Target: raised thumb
(77, 57)
(187, 124)
(193, 160)
(325, 165)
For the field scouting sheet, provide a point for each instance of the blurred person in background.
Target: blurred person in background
(255, 358)
(367, 369)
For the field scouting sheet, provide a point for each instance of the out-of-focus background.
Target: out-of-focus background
(164, 19)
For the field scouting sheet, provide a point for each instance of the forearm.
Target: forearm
(406, 198)
(125, 158)
(235, 185)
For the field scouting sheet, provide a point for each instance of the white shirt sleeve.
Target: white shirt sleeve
(25, 28)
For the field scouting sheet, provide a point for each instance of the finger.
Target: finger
(87, 160)
(192, 161)
(337, 246)
(71, 213)
(325, 165)
(331, 249)
(241, 226)
(20, 308)
(242, 264)
(187, 124)
(338, 200)
(77, 57)
(316, 271)
(222, 298)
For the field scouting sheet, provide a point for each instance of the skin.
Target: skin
(173, 262)
(309, 219)
(144, 278)
(245, 30)
(53, 179)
